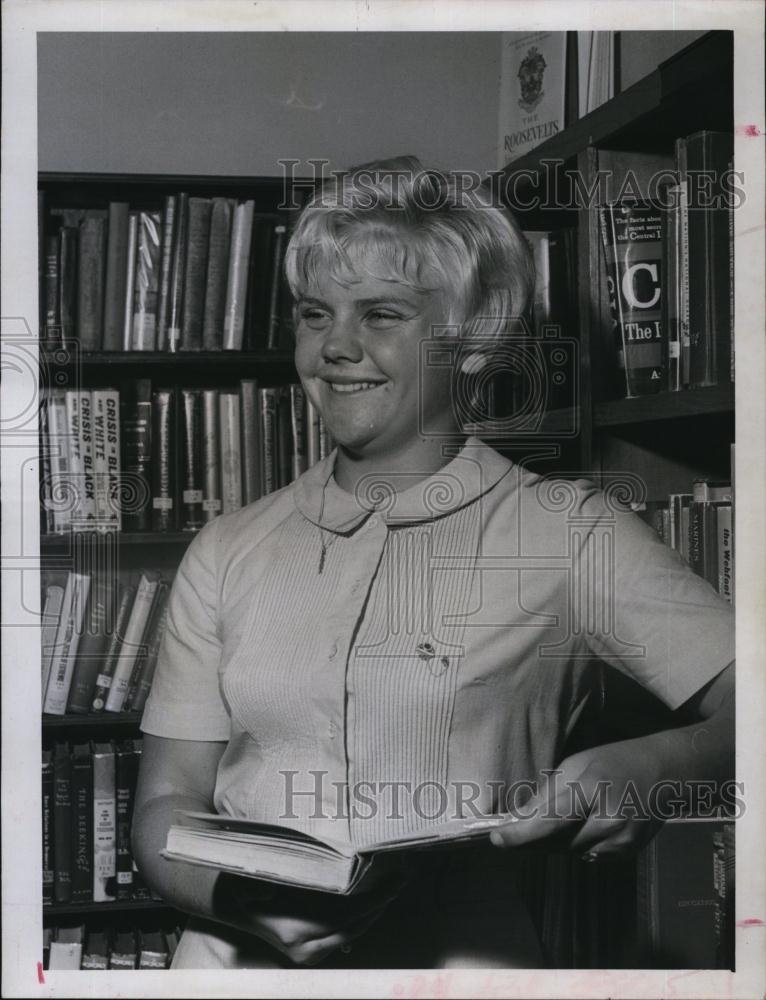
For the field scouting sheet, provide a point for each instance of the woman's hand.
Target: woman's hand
(303, 925)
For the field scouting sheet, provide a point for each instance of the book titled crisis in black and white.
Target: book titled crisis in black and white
(284, 854)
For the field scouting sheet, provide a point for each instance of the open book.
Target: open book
(283, 854)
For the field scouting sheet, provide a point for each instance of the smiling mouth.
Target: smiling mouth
(348, 388)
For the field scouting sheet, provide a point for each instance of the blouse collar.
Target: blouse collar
(475, 469)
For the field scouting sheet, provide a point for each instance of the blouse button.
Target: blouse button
(332, 730)
(333, 651)
(437, 666)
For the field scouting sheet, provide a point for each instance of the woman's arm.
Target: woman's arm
(612, 798)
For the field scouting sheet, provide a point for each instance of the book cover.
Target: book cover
(164, 458)
(123, 954)
(283, 854)
(251, 440)
(82, 823)
(709, 155)
(136, 454)
(236, 285)
(48, 868)
(125, 596)
(231, 458)
(90, 282)
(197, 244)
(177, 273)
(93, 645)
(104, 822)
(67, 280)
(166, 263)
(49, 624)
(95, 954)
(62, 824)
(212, 502)
(632, 240)
(217, 273)
(116, 275)
(66, 949)
(130, 282)
(126, 775)
(192, 469)
(133, 639)
(144, 680)
(532, 105)
(153, 950)
(267, 398)
(146, 282)
(67, 641)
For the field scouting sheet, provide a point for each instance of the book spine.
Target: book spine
(48, 871)
(62, 824)
(258, 294)
(211, 450)
(126, 773)
(116, 275)
(164, 513)
(130, 282)
(710, 544)
(632, 238)
(144, 682)
(166, 263)
(104, 823)
(198, 237)
(111, 656)
(82, 824)
(51, 278)
(92, 646)
(139, 667)
(90, 282)
(298, 430)
(58, 446)
(670, 302)
(95, 955)
(284, 439)
(147, 282)
(74, 457)
(217, 274)
(268, 414)
(251, 440)
(697, 537)
(112, 408)
(67, 280)
(100, 470)
(87, 508)
(278, 254)
(136, 419)
(682, 264)
(192, 494)
(54, 599)
(231, 459)
(177, 272)
(312, 433)
(326, 444)
(132, 640)
(236, 286)
(725, 553)
(67, 641)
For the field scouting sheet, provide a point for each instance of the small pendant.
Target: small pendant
(322, 558)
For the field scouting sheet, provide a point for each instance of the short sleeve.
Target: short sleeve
(185, 702)
(643, 609)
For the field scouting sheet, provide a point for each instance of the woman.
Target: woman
(399, 635)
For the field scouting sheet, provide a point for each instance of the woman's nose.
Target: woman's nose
(341, 342)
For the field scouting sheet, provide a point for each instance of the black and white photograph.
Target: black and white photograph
(383, 443)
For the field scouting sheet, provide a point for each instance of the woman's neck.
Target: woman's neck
(401, 469)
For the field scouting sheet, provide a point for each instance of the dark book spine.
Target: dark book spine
(212, 502)
(671, 315)
(251, 440)
(82, 824)
(126, 773)
(130, 282)
(632, 239)
(166, 263)
(90, 283)
(258, 295)
(67, 280)
(47, 804)
(62, 824)
(164, 485)
(136, 477)
(198, 239)
(284, 440)
(92, 646)
(177, 272)
(277, 260)
(269, 449)
(50, 291)
(710, 544)
(144, 681)
(697, 537)
(140, 665)
(147, 283)
(298, 430)
(192, 451)
(116, 275)
(217, 274)
(112, 652)
(709, 157)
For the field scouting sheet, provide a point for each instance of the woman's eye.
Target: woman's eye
(383, 317)
(314, 318)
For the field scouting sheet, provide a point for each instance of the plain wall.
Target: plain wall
(643, 51)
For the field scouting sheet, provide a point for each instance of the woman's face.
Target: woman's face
(358, 355)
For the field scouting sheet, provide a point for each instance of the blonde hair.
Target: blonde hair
(420, 225)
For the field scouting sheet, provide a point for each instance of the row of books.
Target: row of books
(700, 526)
(201, 274)
(670, 274)
(146, 458)
(82, 948)
(100, 641)
(88, 793)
